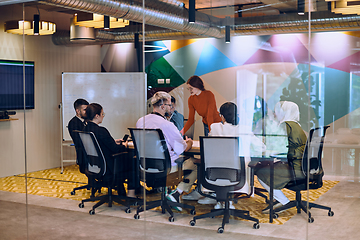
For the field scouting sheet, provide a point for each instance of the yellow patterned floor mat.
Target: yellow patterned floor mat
(51, 183)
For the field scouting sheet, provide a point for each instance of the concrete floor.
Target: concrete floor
(53, 218)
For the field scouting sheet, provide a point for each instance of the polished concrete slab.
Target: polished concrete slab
(54, 218)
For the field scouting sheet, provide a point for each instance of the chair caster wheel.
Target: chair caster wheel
(193, 212)
(136, 216)
(72, 192)
(311, 220)
(330, 213)
(256, 226)
(171, 219)
(81, 205)
(128, 210)
(192, 222)
(276, 216)
(220, 230)
(92, 212)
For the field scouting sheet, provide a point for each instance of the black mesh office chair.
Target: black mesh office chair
(222, 169)
(80, 162)
(312, 169)
(154, 167)
(97, 169)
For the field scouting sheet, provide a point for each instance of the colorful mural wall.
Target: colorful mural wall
(329, 94)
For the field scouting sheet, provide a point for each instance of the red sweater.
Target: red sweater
(204, 104)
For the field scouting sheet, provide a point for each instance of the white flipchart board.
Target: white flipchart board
(122, 96)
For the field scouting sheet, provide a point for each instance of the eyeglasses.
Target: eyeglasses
(103, 114)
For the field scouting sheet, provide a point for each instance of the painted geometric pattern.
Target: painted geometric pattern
(336, 65)
(51, 183)
(161, 69)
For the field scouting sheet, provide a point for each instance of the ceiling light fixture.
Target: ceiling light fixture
(191, 11)
(345, 6)
(98, 21)
(227, 30)
(136, 40)
(27, 27)
(36, 24)
(106, 22)
(301, 7)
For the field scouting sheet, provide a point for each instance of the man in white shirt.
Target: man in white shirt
(161, 102)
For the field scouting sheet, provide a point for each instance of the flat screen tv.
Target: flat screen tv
(12, 85)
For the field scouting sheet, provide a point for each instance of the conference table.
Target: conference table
(195, 150)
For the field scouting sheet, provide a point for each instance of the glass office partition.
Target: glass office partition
(15, 74)
(334, 70)
(271, 55)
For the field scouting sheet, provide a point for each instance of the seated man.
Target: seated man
(161, 102)
(174, 116)
(78, 123)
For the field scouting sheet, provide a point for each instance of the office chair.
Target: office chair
(154, 167)
(222, 169)
(97, 169)
(80, 162)
(312, 169)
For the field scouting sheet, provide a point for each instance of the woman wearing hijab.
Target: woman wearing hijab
(288, 115)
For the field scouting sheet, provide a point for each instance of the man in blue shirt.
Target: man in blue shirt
(174, 116)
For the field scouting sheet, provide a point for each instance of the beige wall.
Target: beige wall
(42, 124)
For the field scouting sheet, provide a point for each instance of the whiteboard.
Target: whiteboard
(122, 96)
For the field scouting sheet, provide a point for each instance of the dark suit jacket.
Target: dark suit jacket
(106, 142)
(76, 124)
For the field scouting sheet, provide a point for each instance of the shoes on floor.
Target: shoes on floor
(286, 205)
(174, 196)
(193, 196)
(221, 205)
(218, 205)
(208, 200)
(276, 204)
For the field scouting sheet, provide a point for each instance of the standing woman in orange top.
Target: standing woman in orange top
(203, 102)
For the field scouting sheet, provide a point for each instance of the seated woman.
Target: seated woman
(109, 146)
(288, 115)
(251, 144)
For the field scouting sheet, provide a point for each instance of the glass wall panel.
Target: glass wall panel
(15, 74)
(333, 71)
(273, 58)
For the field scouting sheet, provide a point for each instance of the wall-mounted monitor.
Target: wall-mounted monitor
(12, 85)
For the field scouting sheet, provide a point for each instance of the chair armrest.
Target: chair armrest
(181, 160)
(279, 155)
(253, 164)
